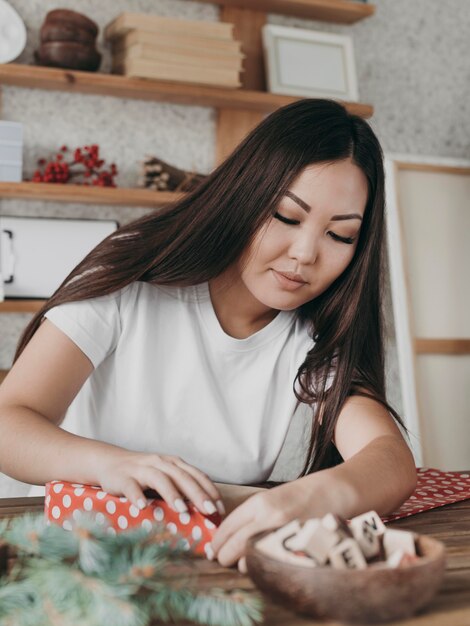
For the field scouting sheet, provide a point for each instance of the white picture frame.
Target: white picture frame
(415, 185)
(302, 62)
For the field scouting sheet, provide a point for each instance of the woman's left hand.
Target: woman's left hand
(267, 509)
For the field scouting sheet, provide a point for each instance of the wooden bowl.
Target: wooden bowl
(375, 594)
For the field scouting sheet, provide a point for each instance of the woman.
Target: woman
(180, 347)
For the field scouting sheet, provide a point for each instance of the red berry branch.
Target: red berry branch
(85, 168)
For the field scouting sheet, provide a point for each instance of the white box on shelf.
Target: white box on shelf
(11, 151)
(36, 254)
(11, 172)
(11, 131)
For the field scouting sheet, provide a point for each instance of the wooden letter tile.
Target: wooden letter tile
(368, 529)
(347, 555)
(398, 540)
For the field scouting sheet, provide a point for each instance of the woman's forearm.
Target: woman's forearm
(35, 450)
(381, 477)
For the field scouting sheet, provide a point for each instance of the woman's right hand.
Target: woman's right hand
(129, 473)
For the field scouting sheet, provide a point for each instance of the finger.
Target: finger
(163, 484)
(238, 518)
(205, 482)
(234, 549)
(188, 485)
(242, 568)
(133, 491)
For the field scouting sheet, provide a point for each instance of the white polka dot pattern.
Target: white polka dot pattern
(122, 522)
(434, 489)
(88, 504)
(65, 503)
(111, 507)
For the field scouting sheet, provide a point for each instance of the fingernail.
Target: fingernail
(141, 503)
(209, 552)
(220, 507)
(180, 506)
(209, 506)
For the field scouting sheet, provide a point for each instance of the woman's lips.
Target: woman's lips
(287, 283)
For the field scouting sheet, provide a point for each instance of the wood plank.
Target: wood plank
(442, 346)
(338, 11)
(49, 78)
(430, 167)
(10, 507)
(20, 306)
(83, 194)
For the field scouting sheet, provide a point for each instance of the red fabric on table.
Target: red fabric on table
(435, 488)
(63, 499)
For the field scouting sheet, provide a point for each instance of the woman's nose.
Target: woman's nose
(304, 249)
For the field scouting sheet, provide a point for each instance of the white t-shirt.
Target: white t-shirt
(169, 380)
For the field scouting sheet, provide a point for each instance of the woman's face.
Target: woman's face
(311, 239)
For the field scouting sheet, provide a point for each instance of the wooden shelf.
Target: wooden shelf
(442, 346)
(339, 11)
(55, 79)
(20, 306)
(82, 194)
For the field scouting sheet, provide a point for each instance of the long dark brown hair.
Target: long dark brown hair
(198, 237)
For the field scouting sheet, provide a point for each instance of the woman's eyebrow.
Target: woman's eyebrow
(348, 216)
(308, 208)
(299, 201)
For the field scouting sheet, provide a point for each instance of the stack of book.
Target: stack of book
(152, 46)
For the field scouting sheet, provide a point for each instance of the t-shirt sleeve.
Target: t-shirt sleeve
(94, 325)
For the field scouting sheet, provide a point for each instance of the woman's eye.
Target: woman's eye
(286, 220)
(342, 239)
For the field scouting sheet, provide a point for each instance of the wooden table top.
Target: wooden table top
(450, 607)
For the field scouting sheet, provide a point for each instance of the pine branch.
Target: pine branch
(218, 607)
(88, 577)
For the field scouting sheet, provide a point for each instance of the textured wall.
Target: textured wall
(412, 64)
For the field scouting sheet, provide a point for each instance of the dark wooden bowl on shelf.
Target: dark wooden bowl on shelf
(375, 594)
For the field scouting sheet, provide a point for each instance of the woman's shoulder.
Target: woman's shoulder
(142, 292)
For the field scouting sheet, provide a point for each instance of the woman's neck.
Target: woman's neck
(239, 313)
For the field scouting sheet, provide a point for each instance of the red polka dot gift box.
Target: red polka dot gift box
(66, 500)
(434, 488)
